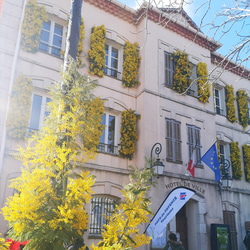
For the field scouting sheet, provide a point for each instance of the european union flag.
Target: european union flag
(210, 158)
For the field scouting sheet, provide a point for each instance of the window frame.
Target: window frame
(104, 145)
(169, 69)
(193, 89)
(106, 206)
(191, 144)
(172, 140)
(110, 70)
(42, 110)
(225, 147)
(49, 45)
(219, 100)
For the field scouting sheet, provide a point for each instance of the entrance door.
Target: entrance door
(181, 226)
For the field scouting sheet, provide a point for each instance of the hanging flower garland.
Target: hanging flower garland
(96, 53)
(128, 134)
(131, 63)
(182, 71)
(235, 160)
(20, 103)
(203, 84)
(242, 100)
(246, 160)
(32, 24)
(231, 112)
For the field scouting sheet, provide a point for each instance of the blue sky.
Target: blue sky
(216, 5)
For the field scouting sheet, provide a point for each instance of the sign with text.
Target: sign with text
(169, 208)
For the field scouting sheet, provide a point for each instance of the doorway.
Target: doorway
(181, 226)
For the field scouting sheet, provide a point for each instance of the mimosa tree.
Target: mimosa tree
(48, 207)
(122, 230)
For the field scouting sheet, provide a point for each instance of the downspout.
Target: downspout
(12, 77)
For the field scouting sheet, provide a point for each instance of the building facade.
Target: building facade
(179, 120)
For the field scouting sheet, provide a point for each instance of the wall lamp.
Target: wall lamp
(226, 181)
(157, 165)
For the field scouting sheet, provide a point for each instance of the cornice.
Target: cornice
(229, 65)
(129, 15)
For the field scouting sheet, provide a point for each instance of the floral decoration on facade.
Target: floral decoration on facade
(203, 84)
(18, 116)
(94, 111)
(231, 111)
(131, 63)
(96, 53)
(32, 24)
(235, 160)
(246, 160)
(242, 100)
(128, 133)
(182, 71)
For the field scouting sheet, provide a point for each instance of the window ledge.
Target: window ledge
(176, 162)
(95, 236)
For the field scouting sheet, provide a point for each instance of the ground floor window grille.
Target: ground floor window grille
(101, 209)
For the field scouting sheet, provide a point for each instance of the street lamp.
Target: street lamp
(157, 166)
(226, 181)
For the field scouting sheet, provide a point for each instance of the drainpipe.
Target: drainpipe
(12, 77)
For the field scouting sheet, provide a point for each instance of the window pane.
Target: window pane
(46, 25)
(102, 138)
(58, 29)
(114, 52)
(35, 112)
(57, 41)
(111, 133)
(44, 37)
(46, 113)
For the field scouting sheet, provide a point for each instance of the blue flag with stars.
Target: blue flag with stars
(210, 158)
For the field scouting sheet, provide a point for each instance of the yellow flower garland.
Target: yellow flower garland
(128, 134)
(18, 116)
(32, 24)
(231, 112)
(96, 53)
(131, 63)
(182, 71)
(203, 84)
(246, 159)
(235, 160)
(242, 97)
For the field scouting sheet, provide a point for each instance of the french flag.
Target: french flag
(191, 164)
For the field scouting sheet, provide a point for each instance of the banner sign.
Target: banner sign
(169, 208)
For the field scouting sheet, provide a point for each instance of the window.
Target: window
(100, 209)
(38, 111)
(112, 62)
(173, 140)
(193, 141)
(51, 38)
(108, 138)
(224, 153)
(168, 69)
(193, 90)
(219, 100)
